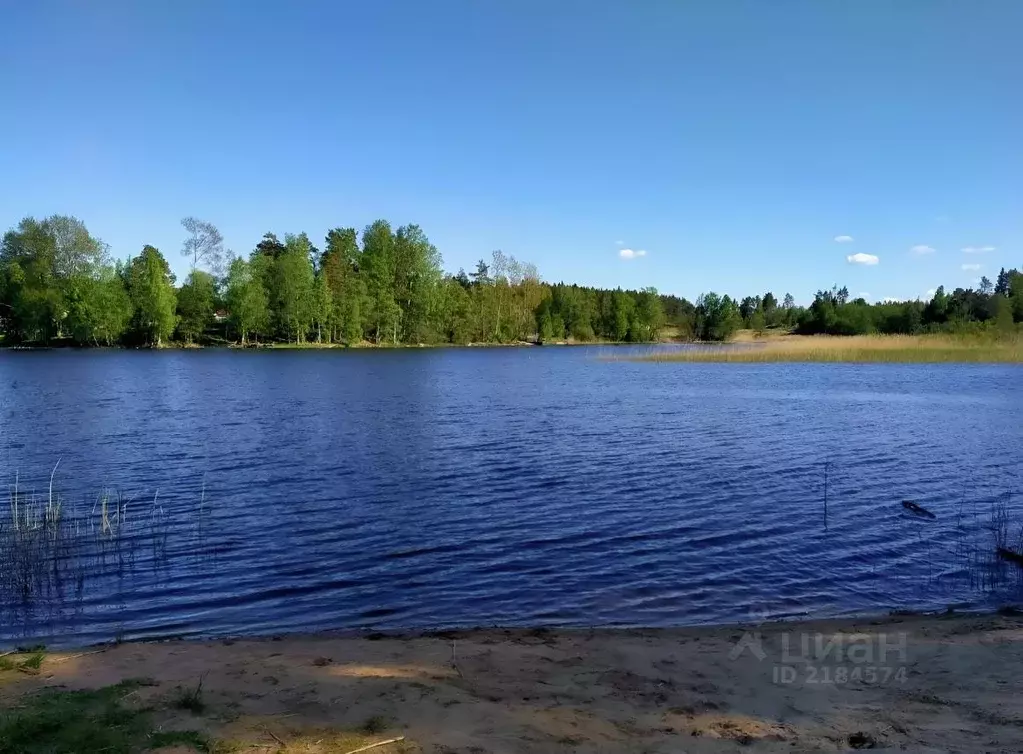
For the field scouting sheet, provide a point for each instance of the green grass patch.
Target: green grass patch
(57, 721)
(33, 662)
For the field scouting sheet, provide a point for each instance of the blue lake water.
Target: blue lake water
(304, 491)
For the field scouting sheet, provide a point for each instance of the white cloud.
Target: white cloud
(862, 294)
(972, 267)
(978, 249)
(843, 239)
(930, 293)
(861, 258)
(630, 254)
(922, 249)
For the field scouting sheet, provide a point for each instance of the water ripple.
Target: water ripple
(515, 487)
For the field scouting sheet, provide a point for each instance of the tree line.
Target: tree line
(994, 308)
(58, 283)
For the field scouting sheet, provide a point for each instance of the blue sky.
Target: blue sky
(730, 141)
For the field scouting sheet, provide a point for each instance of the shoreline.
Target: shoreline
(925, 682)
(789, 621)
(792, 621)
(745, 348)
(342, 347)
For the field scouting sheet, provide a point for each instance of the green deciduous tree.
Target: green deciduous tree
(196, 305)
(1015, 283)
(151, 289)
(323, 309)
(717, 317)
(417, 277)
(99, 309)
(44, 266)
(291, 291)
(246, 296)
(1003, 315)
(382, 313)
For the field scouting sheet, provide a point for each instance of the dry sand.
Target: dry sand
(678, 690)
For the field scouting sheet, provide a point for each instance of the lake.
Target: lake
(295, 491)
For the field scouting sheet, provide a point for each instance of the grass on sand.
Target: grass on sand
(58, 721)
(142, 714)
(924, 349)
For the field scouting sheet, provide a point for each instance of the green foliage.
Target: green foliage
(382, 311)
(717, 317)
(56, 284)
(585, 314)
(340, 267)
(649, 317)
(99, 309)
(989, 308)
(1015, 294)
(757, 320)
(246, 296)
(388, 289)
(1003, 318)
(151, 289)
(196, 304)
(291, 289)
(323, 309)
(46, 267)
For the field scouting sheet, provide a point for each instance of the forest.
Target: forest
(60, 285)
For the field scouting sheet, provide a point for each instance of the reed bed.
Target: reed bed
(895, 349)
(48, 550)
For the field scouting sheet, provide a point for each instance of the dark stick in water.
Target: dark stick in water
(918, 510)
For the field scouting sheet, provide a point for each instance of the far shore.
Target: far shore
(900, 349)
(746, 346)
(314, 346)
(917, 683)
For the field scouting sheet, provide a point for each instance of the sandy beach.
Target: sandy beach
(915, 683)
